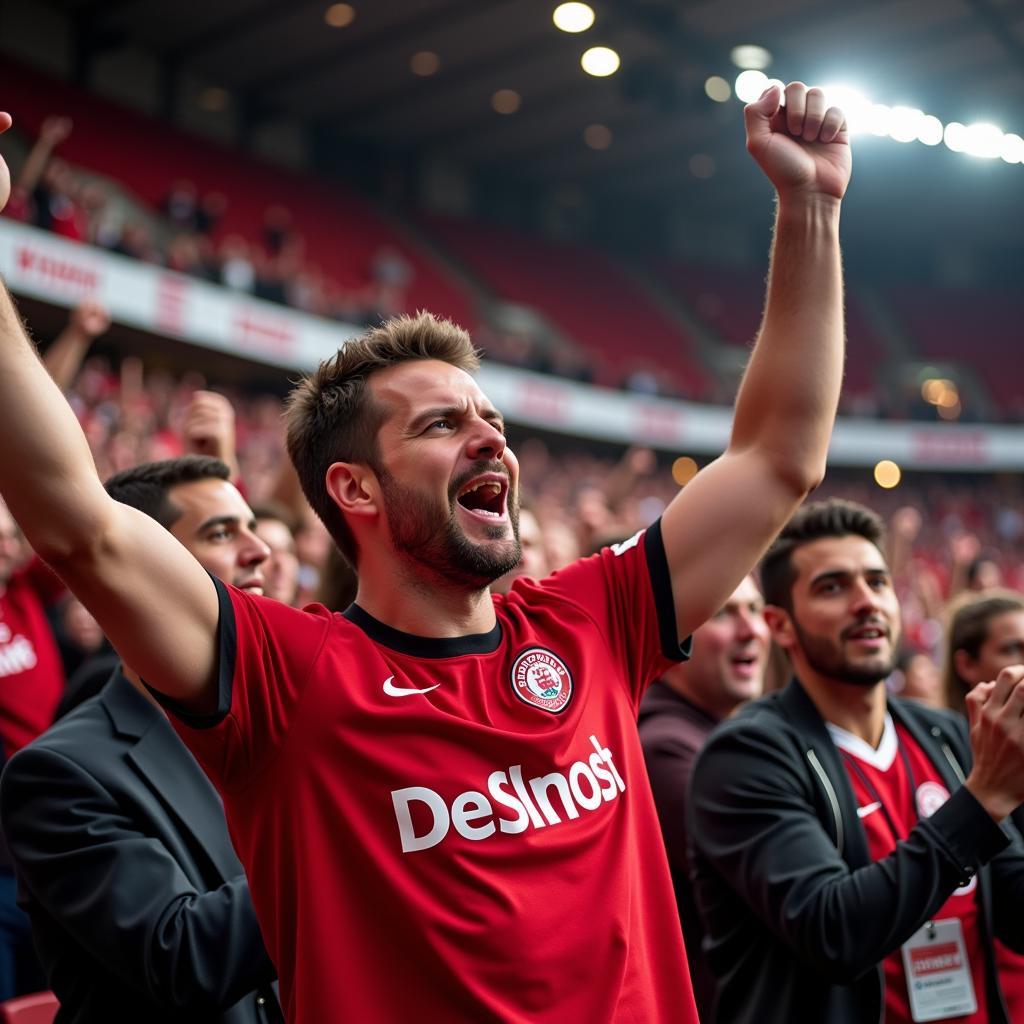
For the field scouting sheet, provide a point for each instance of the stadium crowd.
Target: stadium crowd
(843, 849)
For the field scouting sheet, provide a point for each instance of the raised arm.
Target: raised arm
(717, 528)
(64, 357)
(149, 595)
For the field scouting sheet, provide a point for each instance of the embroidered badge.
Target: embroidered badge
(541, 679)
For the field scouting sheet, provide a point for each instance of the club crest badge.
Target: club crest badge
(541, 679)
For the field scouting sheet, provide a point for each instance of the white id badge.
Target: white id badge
(938, 973)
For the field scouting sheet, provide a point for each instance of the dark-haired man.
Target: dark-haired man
(139, 907)
(439, 796)
(838, 878)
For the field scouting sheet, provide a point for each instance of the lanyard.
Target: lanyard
(870, 786)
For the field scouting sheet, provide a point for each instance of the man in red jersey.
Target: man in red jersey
(439, 796)
(848, 856)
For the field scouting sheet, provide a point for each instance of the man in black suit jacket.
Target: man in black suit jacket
(140, 909)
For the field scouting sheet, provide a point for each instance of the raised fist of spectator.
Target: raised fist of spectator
(964, 548)
(54, 130)
(5, 174)
(209, 428)
(906, 523)
(90, 318)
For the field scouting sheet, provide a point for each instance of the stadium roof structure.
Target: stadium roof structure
(354, 88)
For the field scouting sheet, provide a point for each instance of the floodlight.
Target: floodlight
(750, 85)
(600, 61)
(751, 56)
(573, 17)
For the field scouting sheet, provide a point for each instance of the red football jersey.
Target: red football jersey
(31, 674)
(456, 830)
(888, 796)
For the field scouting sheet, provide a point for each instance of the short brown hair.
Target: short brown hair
(969, 620)
(833, 517)
(332, 418)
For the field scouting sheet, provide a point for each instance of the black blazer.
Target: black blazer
(139, 906)
(798, 916)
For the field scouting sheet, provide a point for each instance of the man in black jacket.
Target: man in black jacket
(837, 877)
(139, 907)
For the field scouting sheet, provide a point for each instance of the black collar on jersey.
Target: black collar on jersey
(423, 646)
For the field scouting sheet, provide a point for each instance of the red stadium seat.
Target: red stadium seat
(38, 1008)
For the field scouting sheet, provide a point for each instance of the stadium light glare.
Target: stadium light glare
(930, 130)
(750, 56)
(1013, 149)
(905, 123)
(573, 17)
(853, 103)
(717, 88)
(600, 61)
(879, 119)
(506, 101)
(984, 141)
(887, 474)
(750, 85)
(955, 137)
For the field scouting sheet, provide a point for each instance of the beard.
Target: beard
(826, 656)
(429, 534)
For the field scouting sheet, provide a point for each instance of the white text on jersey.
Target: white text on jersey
(585, 786)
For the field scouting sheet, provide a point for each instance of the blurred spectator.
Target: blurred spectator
(677, 714)
(281, 569)
(917, 677)
(533, 563)
(985, 634)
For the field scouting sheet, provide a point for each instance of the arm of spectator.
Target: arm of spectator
(64, 357)
(904, 529)
(964, 548)
(152, 599)
(719, 525)
(120, 893)
(634, 466)
(52, 133)
(209, 429)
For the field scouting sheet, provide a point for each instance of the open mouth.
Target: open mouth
(254, 585)
(868, 633)
(485, 497)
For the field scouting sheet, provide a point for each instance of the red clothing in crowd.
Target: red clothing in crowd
(31, 674)
(896, 785)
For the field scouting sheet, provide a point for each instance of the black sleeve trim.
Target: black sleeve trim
(661, 584)
(227, 645)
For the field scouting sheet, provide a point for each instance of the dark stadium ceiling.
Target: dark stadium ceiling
(959, 59)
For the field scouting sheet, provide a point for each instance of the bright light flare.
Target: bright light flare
(1013, 149)
(887, 474)
(600, 61)
(573, 17)
(905, 123)
(717, 88)
(983, 140)
(750, 56)
(750, 85)
(930, 130)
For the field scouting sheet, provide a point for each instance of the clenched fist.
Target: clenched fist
(804, 147)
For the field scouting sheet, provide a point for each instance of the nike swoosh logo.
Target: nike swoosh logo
(863, 812)
(404, 691)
